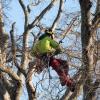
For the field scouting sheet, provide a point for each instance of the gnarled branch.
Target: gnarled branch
(38, 18)
(10, 72)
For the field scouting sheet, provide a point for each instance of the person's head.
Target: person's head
(49, 33)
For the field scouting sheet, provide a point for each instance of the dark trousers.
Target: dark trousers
(61, 67)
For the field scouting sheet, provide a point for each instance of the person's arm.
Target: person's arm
(55, 45)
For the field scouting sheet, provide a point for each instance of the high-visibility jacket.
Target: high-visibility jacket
(44, 45)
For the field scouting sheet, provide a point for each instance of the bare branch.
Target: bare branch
(4, 95)
(20, 69)
(31, 90)
(96, 20)
(58, 15)
(13, 42)
(38, 18)
(25, 13)
(29, 84)
(3, 36)
(9, 71)
(67, 30)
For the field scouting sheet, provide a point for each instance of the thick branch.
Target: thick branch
(10, 72)
(13, 47)
(20, 69)
(3, 36)
(24, 59)
(96, 20)
(4, 95)
(38, 18)
(91, 95)
(30, 88)
(25, 13)
(18, 91)
(9, 85)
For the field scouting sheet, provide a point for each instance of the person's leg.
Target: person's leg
(62, 71)
(65, 66)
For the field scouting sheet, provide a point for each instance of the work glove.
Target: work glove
(58, 50)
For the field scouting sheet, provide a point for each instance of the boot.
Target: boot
(71, 84)
(68, 82)
(62, 82)
(63, 79)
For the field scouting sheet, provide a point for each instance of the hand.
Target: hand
(57, 51)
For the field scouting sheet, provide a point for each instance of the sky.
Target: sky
(15, 13)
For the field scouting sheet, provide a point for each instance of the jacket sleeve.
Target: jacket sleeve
(54, 44)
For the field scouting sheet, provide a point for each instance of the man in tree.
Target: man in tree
(45, 48)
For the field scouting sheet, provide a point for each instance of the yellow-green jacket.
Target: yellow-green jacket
(44, 45)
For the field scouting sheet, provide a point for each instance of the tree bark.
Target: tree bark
(4, 95)
(88, 37)
(29, 84)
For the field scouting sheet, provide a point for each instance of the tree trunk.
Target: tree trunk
(97, 69)
(88, 37)
(4, 95)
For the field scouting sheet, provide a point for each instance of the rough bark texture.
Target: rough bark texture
(97, 69)
(88, 38)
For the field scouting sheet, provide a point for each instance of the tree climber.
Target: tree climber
(45, 48)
